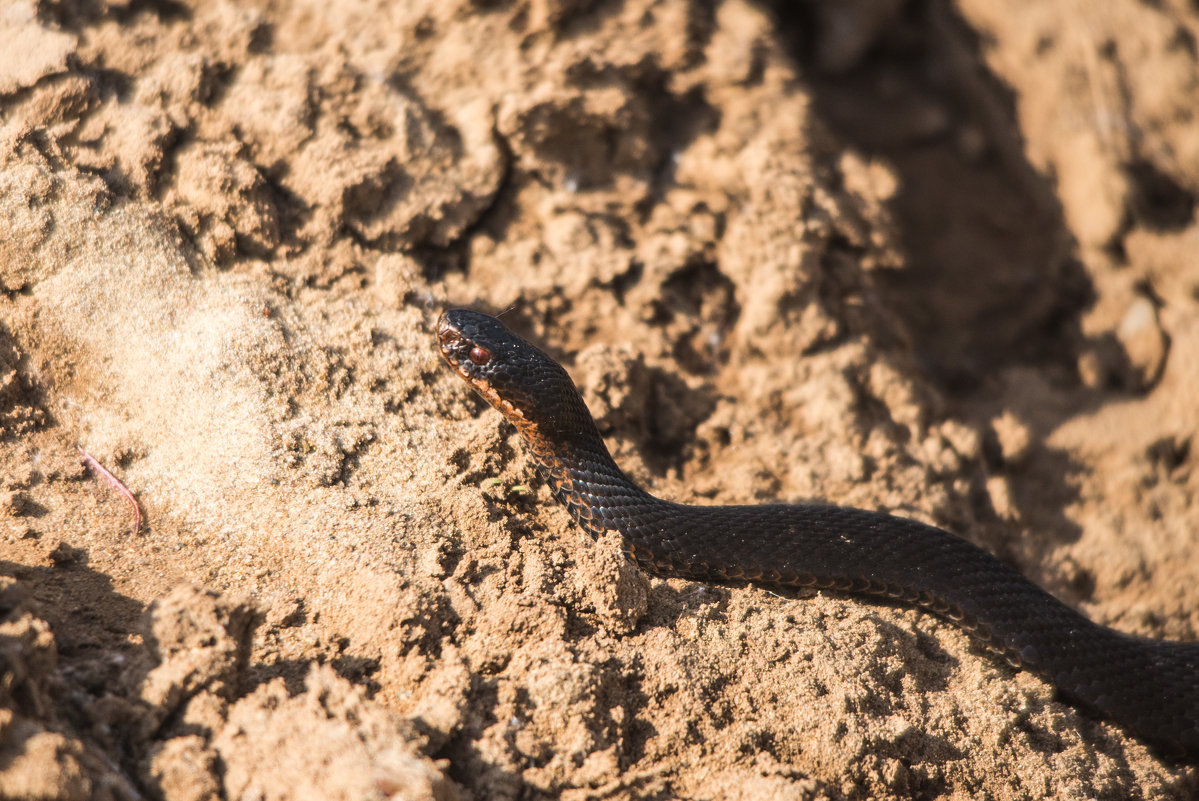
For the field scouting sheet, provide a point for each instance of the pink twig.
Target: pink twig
(116, 483)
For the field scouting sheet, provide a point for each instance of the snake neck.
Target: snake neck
(586, 480)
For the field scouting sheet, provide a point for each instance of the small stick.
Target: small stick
(116, 483)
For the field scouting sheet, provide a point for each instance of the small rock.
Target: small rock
(286, 613)
(1013, 437)
(1000, 490)
(1144, 342)
(14, 502)
(64, 555)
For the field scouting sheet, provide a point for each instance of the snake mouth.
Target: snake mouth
(447, 333)
(449, 339)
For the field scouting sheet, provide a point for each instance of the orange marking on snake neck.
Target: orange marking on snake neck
(516, 416)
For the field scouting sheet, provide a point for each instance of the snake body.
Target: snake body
(1150, 687)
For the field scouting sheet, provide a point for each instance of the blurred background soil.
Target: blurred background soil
(931, 257)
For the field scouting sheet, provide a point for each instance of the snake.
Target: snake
(1149, 687)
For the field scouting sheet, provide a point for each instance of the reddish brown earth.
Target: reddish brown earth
(935, 259)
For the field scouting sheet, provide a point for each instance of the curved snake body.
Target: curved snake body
(1149, 686)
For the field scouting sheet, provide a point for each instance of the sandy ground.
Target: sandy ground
(930, 258)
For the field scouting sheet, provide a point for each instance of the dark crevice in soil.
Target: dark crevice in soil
(989, 278)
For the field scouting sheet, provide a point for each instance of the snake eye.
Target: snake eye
(480, 355)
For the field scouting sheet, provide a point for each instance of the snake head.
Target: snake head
(526, 385)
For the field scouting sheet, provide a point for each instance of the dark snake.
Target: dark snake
(1151, 687)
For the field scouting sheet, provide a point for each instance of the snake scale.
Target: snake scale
(1150, 687)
